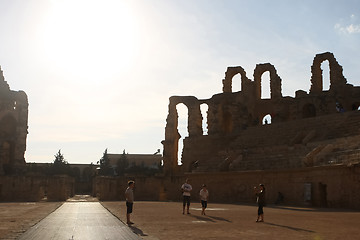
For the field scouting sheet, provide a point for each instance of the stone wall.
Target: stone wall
(22, 188)
(36, 188)
(330, 186)
(60, 188)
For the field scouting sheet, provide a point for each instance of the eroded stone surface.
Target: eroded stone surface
(237, 138)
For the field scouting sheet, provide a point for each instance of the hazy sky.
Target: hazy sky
(99, 73)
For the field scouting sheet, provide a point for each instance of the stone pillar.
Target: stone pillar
(172, 137)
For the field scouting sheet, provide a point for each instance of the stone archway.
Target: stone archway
(337, 78)
(266, 119)
(275, 80)
(229, 74)
(172, 136)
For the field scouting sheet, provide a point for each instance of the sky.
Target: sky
(99, 73)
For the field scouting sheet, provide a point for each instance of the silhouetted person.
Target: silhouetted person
(260, 199)
(129, 196)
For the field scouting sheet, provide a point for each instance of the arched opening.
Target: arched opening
(182, 111)
(265, 85)
(309, 110)
(204, 113)
(236, 83)
(325, 75)
(266, 119)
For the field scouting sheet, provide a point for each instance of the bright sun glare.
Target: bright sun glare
(90, 38)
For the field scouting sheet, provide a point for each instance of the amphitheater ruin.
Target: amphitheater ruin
(310, 152)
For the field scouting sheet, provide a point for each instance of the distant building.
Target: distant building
(151, 161)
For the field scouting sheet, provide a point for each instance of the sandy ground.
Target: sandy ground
(16, 218)
(164, 220)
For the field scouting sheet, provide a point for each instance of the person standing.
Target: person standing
(260, 199)
(129, 197)
(204, 196)
(186, 189)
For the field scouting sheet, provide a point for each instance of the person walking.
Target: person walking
(129, 196)
(204, 196)
(260, 199)
(186, 189)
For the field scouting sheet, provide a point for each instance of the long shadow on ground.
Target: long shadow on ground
(289, 227)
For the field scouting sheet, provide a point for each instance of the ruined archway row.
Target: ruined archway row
(230, 113)
(336, 77)
(254, 86)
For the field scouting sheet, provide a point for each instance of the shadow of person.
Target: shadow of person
(202, 218)
(289, 227)
(219, 218)
(137, 231)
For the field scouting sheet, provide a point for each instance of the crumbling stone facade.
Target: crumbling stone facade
(236, 138)
(13, 127)
(310, 152)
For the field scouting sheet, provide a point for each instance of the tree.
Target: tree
(60, 165)
(122, 164)
(105, 168)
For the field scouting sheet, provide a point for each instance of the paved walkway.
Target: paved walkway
(80, 220)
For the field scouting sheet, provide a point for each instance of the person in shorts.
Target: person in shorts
(129, 197)
(186, 189)
(204, 196)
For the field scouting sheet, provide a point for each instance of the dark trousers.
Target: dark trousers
(260, 209)
(186, 200)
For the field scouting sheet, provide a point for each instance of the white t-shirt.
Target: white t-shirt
(204, 195)
(186, 188)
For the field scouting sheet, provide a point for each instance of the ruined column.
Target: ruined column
(337, 78)
(172, 137)
(275, 80)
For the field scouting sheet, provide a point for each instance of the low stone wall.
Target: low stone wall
(329, 186)
(60, 188)
(35, 188)
(21, 188)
